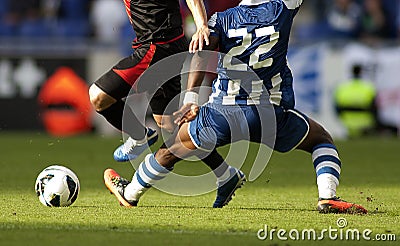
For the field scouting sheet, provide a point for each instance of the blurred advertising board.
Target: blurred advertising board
(21, 78)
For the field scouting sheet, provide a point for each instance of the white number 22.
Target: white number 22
(254, 61)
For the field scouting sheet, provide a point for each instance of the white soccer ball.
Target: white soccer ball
(57, 186)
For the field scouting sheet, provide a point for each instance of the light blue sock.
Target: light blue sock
(148, 173)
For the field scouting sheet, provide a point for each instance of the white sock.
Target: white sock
(134, 190)
(327, 184)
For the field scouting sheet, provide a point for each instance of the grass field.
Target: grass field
(284, 197)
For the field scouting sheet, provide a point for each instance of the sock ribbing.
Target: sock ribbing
(327, 166)
(148, 173)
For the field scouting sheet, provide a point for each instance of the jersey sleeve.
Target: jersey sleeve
(213, 25)
(293, 4)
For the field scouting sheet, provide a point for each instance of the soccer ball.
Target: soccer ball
(57, 186)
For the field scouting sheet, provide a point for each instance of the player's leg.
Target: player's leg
(210, 129)
(165, 102)
(156, 167)
(229, 178)
(325, 158)
(162, 84)
(327, 166)
(112, 110)
(212, 159)
(115, 112)
(107, 94)
(297, 131)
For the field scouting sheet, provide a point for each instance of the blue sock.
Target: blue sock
(148, 173)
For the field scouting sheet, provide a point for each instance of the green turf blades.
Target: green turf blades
(284, 197)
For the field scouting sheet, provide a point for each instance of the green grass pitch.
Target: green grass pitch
(283, 198)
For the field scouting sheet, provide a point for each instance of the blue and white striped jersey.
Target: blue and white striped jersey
(254, 36)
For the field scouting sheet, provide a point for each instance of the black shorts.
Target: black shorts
(132, 75)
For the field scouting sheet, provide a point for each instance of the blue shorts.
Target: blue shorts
(218, 125)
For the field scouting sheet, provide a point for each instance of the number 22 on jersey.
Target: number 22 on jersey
(254, 60)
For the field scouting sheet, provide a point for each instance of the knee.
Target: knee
(98, 98)
(165, 122)
(316, 135)
(95, 98)
(166, 126)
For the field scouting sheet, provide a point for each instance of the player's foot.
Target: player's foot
(116, 185)
(131, 150)
(338, 206)
(227, 190)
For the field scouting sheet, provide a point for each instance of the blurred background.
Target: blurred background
(345, 56)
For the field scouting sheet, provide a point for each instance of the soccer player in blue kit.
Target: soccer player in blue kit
(241, 106)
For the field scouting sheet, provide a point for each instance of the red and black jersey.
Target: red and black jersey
(154, 20)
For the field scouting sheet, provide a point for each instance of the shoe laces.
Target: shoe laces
(336, 198)
(131, 143)
(119, 182)
(128, 146)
